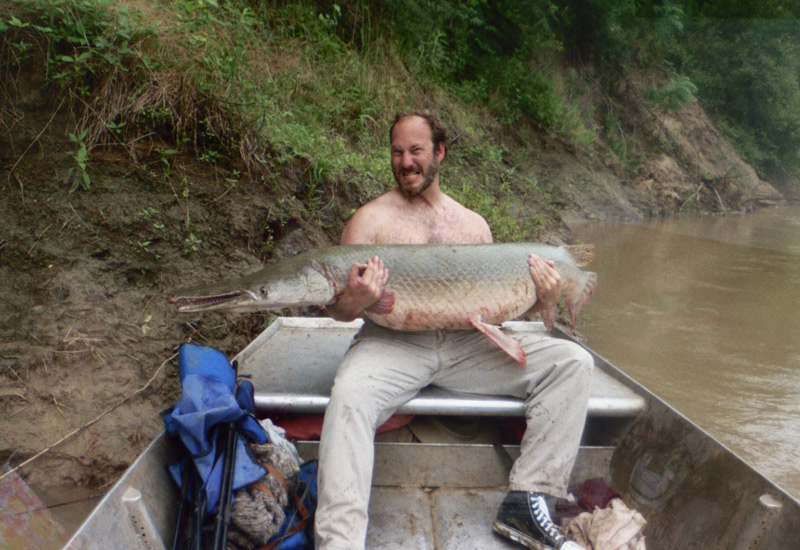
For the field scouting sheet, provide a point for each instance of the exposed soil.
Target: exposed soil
(87, 341)
(86, 337)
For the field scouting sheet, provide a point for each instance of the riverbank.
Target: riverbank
(87, 342)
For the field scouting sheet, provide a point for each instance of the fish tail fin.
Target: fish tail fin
(581, 254)
(581, 297)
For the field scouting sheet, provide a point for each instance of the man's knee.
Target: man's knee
(580, 357)
(356, 396)
(350, 393)
(576, 362)
(345, 387)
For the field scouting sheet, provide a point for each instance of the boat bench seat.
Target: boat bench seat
(292, 365)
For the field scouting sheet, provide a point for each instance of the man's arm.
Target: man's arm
(365, 282)
(484, 234)
(361, 229)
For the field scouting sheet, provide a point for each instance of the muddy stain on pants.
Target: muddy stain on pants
(383, 369)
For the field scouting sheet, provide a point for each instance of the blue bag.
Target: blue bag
(210, 399)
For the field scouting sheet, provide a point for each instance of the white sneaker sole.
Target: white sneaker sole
(518, 536)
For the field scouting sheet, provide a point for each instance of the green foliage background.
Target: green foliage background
(307, 88)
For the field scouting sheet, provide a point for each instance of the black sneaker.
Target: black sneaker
(524, 518)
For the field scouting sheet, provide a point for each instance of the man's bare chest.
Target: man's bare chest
(409, 229)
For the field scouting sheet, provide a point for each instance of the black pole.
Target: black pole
(226, 485)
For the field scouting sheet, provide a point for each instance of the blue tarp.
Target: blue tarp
(210, 399)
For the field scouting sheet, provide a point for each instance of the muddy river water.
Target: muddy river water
(704, 312)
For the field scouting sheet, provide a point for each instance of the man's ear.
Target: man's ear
(441, 151)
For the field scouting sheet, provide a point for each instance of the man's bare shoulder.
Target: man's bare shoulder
(481, 226)
(391, 199)
(462, 210)
(364, 226)
(473, 226)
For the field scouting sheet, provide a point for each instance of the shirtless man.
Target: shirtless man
(383, 368)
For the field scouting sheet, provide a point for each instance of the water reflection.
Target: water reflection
(704, 312)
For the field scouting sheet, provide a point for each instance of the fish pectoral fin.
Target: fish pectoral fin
(384, 305)
(508, 344)
(549, 318)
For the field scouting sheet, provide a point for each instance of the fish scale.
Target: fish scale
(445, 294)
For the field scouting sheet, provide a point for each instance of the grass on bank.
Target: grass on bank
(267, 90)
(298, 95)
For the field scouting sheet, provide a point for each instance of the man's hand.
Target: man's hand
(547, 281)
(365, 284)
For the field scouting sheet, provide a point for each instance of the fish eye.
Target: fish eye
(263, 291)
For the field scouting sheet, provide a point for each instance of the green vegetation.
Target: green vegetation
(741, 60)
(77, 174)
(299, 95)
(747, 76)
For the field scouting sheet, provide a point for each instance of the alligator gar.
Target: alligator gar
(430, 287)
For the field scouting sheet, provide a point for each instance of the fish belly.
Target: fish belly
(451, 305)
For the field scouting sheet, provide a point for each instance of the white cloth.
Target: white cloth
(277, 436)
(615, 527)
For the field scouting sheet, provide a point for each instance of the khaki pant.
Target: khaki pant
(383, 369)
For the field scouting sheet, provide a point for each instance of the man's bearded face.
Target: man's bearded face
(414, 162)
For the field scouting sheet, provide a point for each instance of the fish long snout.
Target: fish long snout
(188, 304)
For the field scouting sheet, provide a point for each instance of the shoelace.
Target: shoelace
(542, 516)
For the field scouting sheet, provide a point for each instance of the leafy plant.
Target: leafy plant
(85, 38)
(530, 92)
(193, 243)
(672, 95)
(78, 174)
(299, 95)
(115, 127)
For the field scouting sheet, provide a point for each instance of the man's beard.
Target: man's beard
(430, 176)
